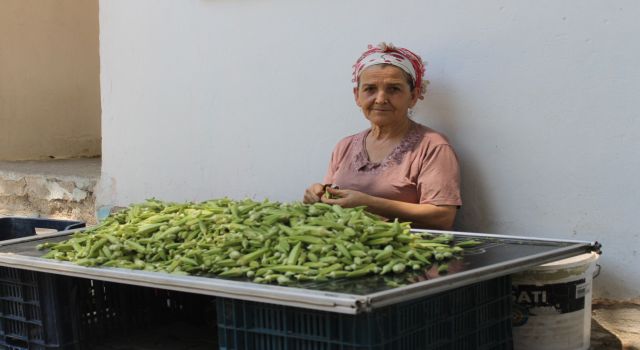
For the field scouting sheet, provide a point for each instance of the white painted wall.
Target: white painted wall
(246, 98)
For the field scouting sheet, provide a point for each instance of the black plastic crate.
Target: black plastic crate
(475, 317)
(52, 312)
(44, 311)
(28, 300)
(40, 311)
(15, 227)
(32, 309)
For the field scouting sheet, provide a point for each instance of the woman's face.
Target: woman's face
(384, 94)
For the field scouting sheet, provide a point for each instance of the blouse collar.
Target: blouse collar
(361, 159)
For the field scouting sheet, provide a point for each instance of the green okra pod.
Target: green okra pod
(294, 254)
(343, 250)
(468, 243)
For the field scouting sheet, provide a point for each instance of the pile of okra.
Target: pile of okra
(263, 241)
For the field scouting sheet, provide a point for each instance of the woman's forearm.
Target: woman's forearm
(421, 215)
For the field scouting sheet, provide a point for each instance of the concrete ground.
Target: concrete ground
(615, 325)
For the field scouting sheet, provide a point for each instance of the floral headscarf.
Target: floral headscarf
(397, 56)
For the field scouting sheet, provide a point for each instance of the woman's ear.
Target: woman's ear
(415, 95)
(355, 96)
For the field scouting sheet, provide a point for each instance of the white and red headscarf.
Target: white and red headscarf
(400, 57)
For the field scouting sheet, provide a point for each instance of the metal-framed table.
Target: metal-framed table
(498, 255)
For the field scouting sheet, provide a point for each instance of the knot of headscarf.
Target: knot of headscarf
(400, 57)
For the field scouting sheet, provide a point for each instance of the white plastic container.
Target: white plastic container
(552, 305)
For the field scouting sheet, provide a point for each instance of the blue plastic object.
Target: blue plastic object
(17, 227)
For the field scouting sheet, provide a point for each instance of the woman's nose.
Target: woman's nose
(381, 97)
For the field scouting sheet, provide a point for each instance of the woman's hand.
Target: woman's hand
(346, 198)
(313, 193)
(421, 215)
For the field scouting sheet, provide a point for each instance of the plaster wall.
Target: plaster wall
(49, 79)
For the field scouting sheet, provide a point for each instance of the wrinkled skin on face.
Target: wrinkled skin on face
(384, 95)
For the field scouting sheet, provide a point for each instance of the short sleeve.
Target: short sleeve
(331, 170)
(439, 178)
(338, 157)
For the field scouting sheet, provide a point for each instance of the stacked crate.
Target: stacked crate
(475, 317)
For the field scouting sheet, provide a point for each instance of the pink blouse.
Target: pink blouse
(423, 168)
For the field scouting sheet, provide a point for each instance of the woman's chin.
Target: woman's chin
(382, 118)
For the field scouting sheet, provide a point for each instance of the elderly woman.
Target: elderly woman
(397, 168)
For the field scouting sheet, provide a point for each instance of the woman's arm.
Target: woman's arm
(438, 217)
